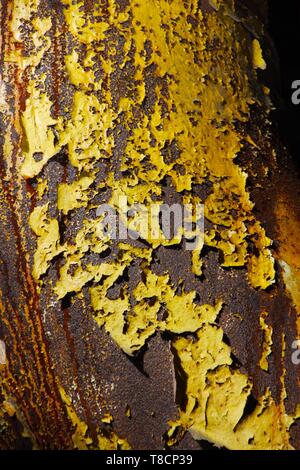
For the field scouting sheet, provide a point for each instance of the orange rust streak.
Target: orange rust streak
(26, 329)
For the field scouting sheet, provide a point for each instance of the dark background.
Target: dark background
(284, 30)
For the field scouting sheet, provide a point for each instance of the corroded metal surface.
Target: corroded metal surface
(143, 344)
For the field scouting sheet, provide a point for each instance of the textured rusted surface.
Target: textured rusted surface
(67, 383)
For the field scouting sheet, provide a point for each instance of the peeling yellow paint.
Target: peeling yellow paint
(42, 187)
(267, 341)
(48, 244)
(217, 396)
(74, 195)
(78, 75)
(258, 60)
(200, 94)
(37, 122)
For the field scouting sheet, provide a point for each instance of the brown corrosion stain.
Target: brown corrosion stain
(43, 332)
(35, 388)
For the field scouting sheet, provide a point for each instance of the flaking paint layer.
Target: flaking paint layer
(203, 68)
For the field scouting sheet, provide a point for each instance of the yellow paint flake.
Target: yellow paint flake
(217, 396)
(75, 280)
(37, 121)
(128, 412)
(267, 342)
(185, 316)
(110, 441)
(9, 407)
(251, 141)
(107, 418)
(74, 195)
(261, 270)
(257, 56)
(77, 74)
(48, 243)
(42, 187)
